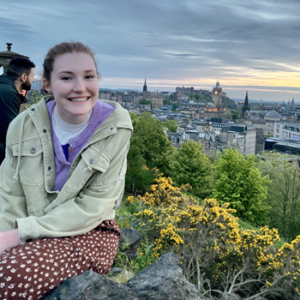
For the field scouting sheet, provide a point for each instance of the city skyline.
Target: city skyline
(250, 46)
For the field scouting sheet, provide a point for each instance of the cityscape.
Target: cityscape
(210, 117)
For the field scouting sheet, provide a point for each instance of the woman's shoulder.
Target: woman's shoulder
(120, 116)
(23, 126)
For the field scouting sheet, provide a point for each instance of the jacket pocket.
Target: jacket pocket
(95, 160)
(92, 163)
(31, 169)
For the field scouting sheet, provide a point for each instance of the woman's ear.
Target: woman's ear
(47, 86)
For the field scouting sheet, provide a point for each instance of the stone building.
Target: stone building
(236, 136)
(265, 122)
(240, 136)
(217, 95)
(7, 56)
(287, 131)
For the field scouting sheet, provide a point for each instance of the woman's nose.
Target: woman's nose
(79, 85)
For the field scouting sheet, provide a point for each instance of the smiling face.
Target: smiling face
(74, 85)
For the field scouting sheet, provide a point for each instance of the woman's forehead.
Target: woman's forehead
(74, 62)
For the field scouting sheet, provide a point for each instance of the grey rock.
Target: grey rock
(116, 270)
(91, 286)
(132, 238)
(168, 259)
(163, 280)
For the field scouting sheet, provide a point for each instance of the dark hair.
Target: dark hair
(18, 66)
(60, 49)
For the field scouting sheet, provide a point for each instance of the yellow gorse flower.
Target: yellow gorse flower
(178, 223)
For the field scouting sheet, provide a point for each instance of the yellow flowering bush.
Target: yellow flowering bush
(214, 252)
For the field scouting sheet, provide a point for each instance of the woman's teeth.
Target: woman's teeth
(78, 99)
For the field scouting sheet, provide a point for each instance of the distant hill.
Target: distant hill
(37, 84)
(228, 103)
(120, 90)
(256, 101)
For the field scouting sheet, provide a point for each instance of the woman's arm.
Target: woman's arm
(93, 204)
(9, 239)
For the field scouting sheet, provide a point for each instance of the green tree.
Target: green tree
(284, 193)
(171, 125)
(134, 118)
(138, 176)
(146, 115)
(234, 115)
(239, 182)
(228, 115)
(155, 147)
(197, 97)
(190, 95)
(189, 164)
(145, 101)
(174, 107)
(34, 96)
(166, 102)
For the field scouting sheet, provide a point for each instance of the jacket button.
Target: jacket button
(44, 130)
(33, 109)
(49, 168)
(111, 128)
(91, 161)
(32, 151)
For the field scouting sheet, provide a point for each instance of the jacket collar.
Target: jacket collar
(120, 118)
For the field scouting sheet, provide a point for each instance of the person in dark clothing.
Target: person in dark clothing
(19, 76)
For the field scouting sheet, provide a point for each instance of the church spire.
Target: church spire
(245, 107)
(145, 86)
(246, 99)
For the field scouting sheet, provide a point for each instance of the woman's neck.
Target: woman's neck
(73, 119)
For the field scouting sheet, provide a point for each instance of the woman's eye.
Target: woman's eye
(65, 78)
(89, 77)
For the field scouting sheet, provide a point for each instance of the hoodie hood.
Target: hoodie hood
(10, 86)
(5, 79)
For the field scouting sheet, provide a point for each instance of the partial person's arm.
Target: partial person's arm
(9, 109)
(9, 239)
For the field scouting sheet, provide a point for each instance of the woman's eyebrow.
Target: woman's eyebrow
(69, 72)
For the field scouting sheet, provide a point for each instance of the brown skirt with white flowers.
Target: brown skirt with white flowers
(31, 270)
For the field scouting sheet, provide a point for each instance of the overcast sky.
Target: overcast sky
(252, 46)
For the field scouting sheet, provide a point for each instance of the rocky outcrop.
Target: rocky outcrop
(163, 280)
(91, 286)
(130, 240)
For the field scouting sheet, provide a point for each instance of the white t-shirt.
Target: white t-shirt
(65, 131)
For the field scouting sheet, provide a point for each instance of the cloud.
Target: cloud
(195, 41)
(183, 55)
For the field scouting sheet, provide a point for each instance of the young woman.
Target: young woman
(62, 178)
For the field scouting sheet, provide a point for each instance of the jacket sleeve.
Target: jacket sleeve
(10, 106)
(12, 199)
(96, 202)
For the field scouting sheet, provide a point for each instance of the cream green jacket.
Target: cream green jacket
(94, 186)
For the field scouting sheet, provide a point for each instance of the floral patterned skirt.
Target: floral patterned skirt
(31, 270)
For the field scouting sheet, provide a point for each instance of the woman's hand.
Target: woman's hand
(9, 239)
